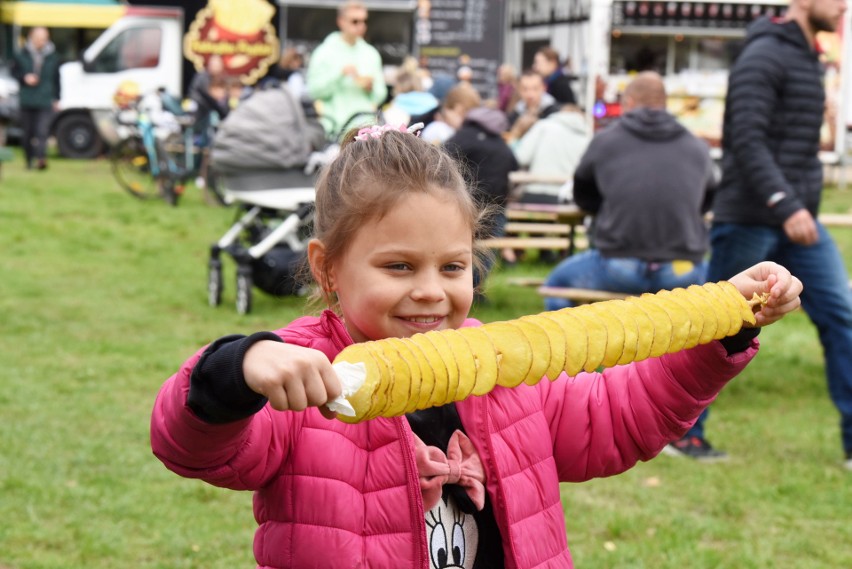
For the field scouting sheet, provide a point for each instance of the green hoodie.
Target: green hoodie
(339, 96)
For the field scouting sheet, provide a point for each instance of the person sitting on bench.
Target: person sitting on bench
(648, 182)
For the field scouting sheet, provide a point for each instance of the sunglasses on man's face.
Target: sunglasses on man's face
(358, 21)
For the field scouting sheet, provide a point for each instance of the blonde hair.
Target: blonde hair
(462, 95)
(407, 81)
(367, 179)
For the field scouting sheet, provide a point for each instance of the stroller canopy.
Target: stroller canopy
(268, 130)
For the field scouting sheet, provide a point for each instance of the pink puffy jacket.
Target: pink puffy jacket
(333, 495)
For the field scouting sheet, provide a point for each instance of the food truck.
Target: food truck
(692, 43)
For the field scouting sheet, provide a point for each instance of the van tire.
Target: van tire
(77, 136)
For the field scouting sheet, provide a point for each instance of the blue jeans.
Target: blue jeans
(826, 297)
(590, 269)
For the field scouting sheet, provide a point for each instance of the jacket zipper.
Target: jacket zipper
(415, 499)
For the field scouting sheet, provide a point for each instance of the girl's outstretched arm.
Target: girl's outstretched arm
(209, 423)
(771, 278)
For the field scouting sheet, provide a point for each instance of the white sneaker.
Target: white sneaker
(848, 464)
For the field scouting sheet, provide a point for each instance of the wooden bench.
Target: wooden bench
(525, 228)
(549, 243)
(541, 226)
(525, 281)
(836, 219)
(580, 295)
(513, 213)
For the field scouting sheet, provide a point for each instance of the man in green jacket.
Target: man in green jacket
(345, 72)
(36, 67)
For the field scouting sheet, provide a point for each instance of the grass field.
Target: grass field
(103, 296)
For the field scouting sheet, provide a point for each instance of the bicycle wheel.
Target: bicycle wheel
(132, 170)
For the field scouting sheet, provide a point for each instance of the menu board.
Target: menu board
(453, 34)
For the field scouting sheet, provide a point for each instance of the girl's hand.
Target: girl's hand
(292, 378)
(767, 277)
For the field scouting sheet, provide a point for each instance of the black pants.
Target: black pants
(35, 124)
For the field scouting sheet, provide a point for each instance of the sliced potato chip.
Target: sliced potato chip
(466, 364)
(558, 344)
(427, 375)
(485, 357)
(679, 318)
(705, 307)
(630, 328)
(443, 347)
(435, 360)
(696, 312)
(513, 352)
(727, 312)
(576, 339)
(540, 355)
(405, 349)
(614, 334)
(693, 316)
(746, 314)
(400, 383)
(662, 325)
(645, 330)
(595, 334)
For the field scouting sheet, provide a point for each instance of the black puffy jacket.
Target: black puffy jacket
(773, 115)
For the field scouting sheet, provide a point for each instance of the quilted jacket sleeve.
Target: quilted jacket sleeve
(754, 88)
(603, 423)
(241, 455)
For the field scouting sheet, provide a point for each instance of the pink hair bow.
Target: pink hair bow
(461, 465)
(376, 130)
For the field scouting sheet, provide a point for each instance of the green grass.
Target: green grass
(103, 296)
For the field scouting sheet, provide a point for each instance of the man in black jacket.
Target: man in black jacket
(36, 67)
(766, 205)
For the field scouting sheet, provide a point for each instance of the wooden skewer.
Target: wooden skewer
(758, 299)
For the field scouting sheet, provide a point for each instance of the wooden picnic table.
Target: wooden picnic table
(565, 215)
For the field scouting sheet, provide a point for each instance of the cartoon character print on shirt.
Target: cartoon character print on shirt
(452, 536)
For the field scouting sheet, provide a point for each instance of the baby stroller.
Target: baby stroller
(264, 161)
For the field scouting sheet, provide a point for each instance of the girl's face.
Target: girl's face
(409, 272)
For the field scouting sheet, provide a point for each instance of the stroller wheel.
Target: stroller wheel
(244, 284)
(214, 282)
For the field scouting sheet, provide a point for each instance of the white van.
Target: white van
(143, 46)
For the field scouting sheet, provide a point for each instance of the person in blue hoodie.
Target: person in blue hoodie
(648, 183)
(767, 204)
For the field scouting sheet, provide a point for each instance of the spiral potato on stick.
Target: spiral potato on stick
(436, 368)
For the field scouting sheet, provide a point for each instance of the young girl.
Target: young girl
(469, 484)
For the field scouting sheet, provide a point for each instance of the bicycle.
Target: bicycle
(159, 154)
